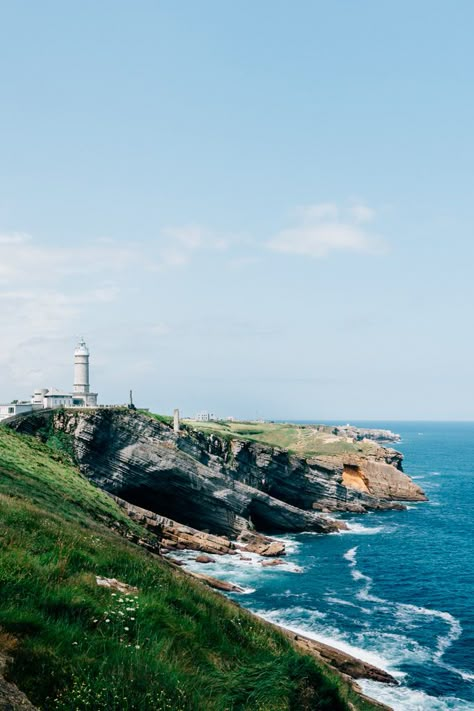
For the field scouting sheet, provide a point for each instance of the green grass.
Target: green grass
(303, 440)
(164, 419)
(173, 645)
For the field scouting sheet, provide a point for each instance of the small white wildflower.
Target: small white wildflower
(137, 646)
(126, 629)
(107, 620)
(132, 618)
(121, 613)
(95, 620)
(75, 642)
(121, 599)
(114, 594)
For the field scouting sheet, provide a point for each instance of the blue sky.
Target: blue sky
(251, 207)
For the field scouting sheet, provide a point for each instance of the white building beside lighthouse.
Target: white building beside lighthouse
(81, 395)
(52, 397)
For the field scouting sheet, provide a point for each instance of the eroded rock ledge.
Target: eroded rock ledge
(176, 536)
(226, 487)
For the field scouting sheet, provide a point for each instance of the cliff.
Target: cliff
(91, 620)
(227, 486)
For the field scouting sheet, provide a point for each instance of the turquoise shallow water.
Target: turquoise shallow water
(397, 589)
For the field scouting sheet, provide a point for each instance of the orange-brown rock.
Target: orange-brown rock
(173, 535)
(271, 563)
(266, 549)
(380, 479)
(217, 584)
(203, 559)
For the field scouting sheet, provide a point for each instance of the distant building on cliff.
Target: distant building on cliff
(81, 396)
(205, 416)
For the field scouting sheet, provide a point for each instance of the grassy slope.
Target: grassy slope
(304, 440)
(174, 645)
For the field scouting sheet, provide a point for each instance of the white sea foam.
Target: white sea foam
(395, 647)
(241, 570)
(304, 625)
(453, 633)
(408, 614)
(358, 528)
(351, 555)
(364, 593)
(385, 651)
(289, 594)
(366, 596)
(345, 603)
(302, 619)
(466, 676)
(401, 698)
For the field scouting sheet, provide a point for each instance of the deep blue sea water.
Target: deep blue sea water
(397, 589)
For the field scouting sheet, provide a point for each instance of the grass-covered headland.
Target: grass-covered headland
(300, 439)
(173, 644)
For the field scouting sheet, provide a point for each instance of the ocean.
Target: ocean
(396, 589)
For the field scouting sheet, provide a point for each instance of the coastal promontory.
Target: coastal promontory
(229, 480)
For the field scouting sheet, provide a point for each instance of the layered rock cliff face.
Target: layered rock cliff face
(224, 486)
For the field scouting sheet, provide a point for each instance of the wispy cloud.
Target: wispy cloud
(14, 237)
(184, 242)
(47, 291)
(50, 292)
(324, 228)
(362, 213)
(24, 259)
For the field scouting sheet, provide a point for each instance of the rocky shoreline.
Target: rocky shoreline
(176, 539)
(348, 666)
(359, 434)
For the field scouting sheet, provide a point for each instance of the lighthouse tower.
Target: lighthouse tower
(82, 396)
(81, 368)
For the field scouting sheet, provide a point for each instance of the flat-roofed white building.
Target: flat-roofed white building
(205, 416)
(16, 408)
(56, 398)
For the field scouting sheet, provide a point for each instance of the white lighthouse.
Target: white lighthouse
(82, 395)
(81, 368)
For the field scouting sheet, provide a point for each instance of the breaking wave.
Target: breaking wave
(359, 528)
(402, 698)
(408, 614)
